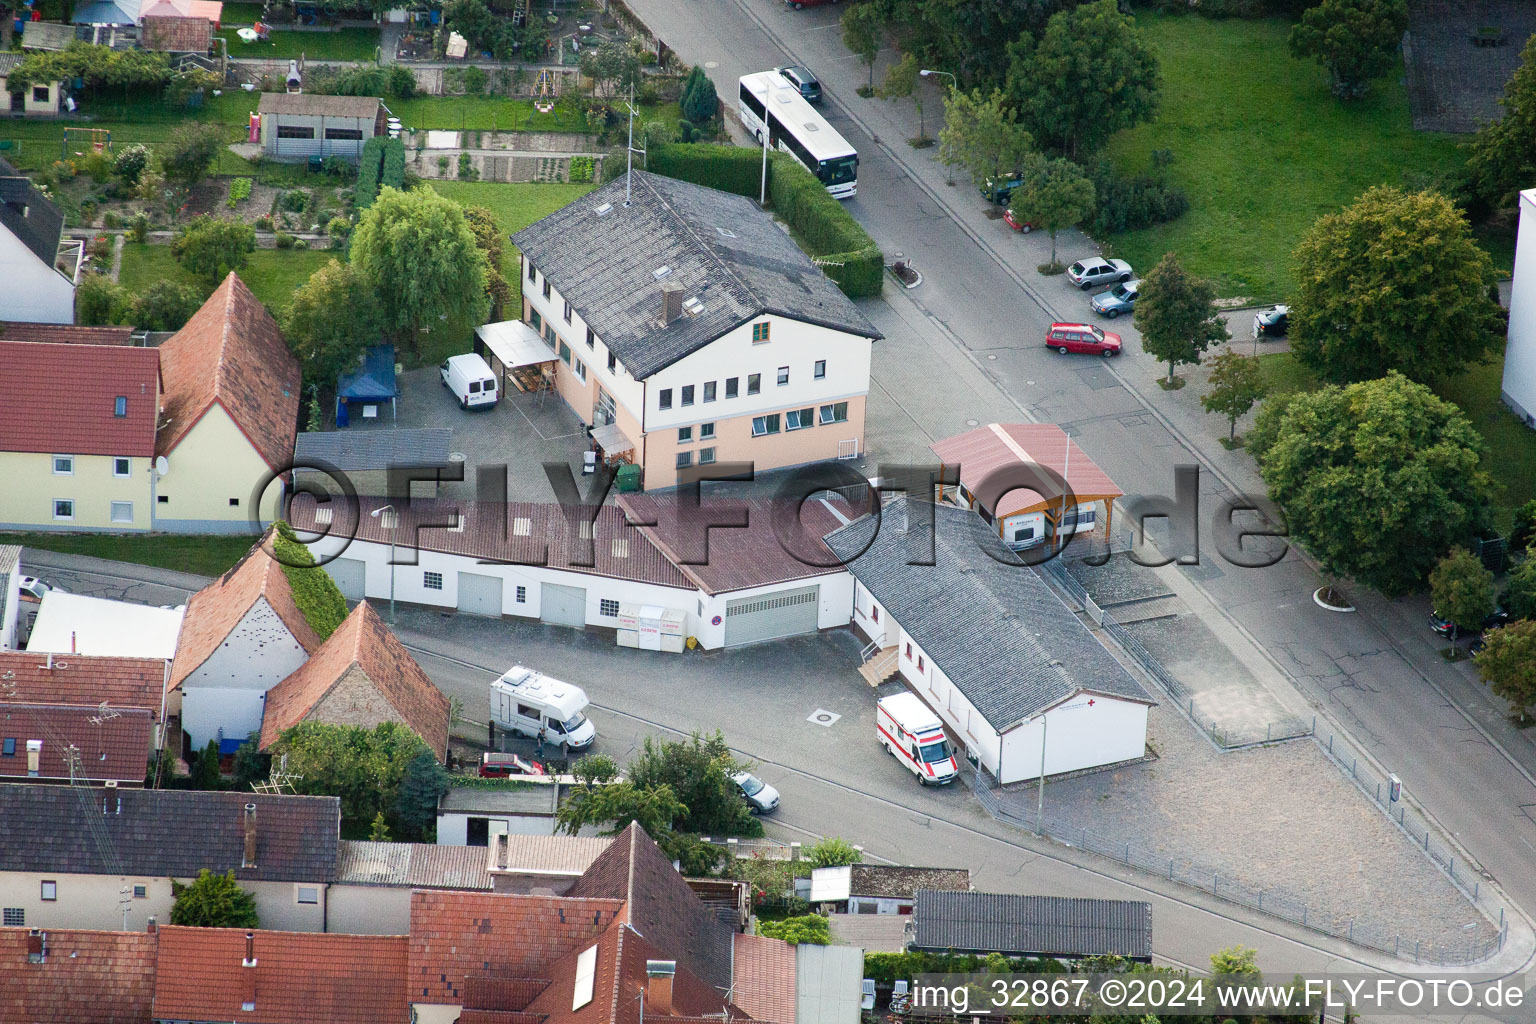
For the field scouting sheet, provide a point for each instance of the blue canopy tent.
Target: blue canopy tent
(370, 385)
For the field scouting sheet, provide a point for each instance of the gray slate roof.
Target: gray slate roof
(359, 451)
(721, 249)
(166, 832)
(26, 213)
(1000, 634)
(985, 922)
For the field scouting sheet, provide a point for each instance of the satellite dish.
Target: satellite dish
(162, 465)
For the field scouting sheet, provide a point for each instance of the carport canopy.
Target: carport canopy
(611, 440)
(515, 344)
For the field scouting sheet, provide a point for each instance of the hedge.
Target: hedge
(318, 598)
(821, 225)
(382, 163)
(886, 968)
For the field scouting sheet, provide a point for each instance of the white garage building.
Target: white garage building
(989, 646)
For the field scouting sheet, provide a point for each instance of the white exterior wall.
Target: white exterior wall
(625, 390)
(1519, 389)
(10, 608)
(278, 907)
(453, 826)
(369, 910)
(835, 604)
(228, 690)
(97, 901)
(35, 293)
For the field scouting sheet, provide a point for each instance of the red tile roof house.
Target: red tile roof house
(230, 415)
(70, 976)
(74, 744)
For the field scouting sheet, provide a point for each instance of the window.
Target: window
(13, 917)
(40, 94)
(909, 652)
(835, 413)
(140, 892)
(613, 363)
(920, 663)
(306, 894)
(546, 287)
(687, 394)
(568, 320)
(63, 465)
(796, 419)
(664, 398)
(234, 502)
(821, 369)
(765, 425)
(535, 321)
(565, 353)
(759, 333)
(684, 460)
(8, 747)
(874, 613)
(706, 431)
(63, 508)
(164, 499)
(730, 386)
(1023, 533)
(580, 368)
(432, 580)
(754, 383)
(522, 595)
(50, 891)
(783, 375)
(586, 972)
(295, 131)
(706, 456)
(122, 512)
(709, 391)
(533, 272)
(684, 435)
(591, 338)
(122, 467)
(608, 607)
(344, 134)
(120, 406)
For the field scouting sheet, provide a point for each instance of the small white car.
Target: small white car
(34, 588)
(761, 797)
(1095, 271)
(471, 381)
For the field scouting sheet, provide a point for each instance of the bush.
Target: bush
(210, 248)
(885, 968)
(475, 80)
(99, 300)
(97, 166)
(314, 592)
(284, 240)
(338, 227)
(295, 200)
(130, 163)
(166, 306)
(807, 930)
(301, 243)
(264, 222)
(382, 163)
(849, 256)
(402, 83)
(111, 220)
(734, 169)
(138, 230)
(833, 853)
(239, 191)
(581, 169)
(1127, 204)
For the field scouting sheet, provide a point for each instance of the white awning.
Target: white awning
(831, 885)
(611, 439)
(515, 344)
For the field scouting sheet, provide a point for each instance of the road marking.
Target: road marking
(823, 717)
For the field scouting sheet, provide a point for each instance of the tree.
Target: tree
(1088, 77)
(1237, 383)
(489, 238)
(423, 786)
(165, 306)
(378, 831)
(968, 37)
(130, 163)
(595, 770)
(1523, 531)
(698, 99)
(617, 804)
(1235, 960)
(1507, 663)
(901, 81)
(1176, 314)
(252, 764)
(100, 301)
(1393, 282)
(1520, 590)
(613, 66)
(807, 929)
(1374, 479)
(188, 155)
(330, 322)
(213, 901)
(212, 247)
(1503, 153)
(981, 135)
(698, 770)
(1055, 194)
(833, 852)
(363, 768)
(1462, 589)
(205, 774)
(420, 258)
(863, 25)
(1354, 40)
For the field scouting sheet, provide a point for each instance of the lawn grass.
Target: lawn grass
(238, 13)
(205, 556)
(342, 44)
(498, 113)
(1262, 149)
(1283, 375)
(272, 274)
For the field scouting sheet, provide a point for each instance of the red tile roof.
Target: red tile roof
(364, 641)
(232, 352)
(82, 679)
(65, 334)
(85, 977)
(62, 399)
(214, 612)
(980, 452)
(176, 34)
(298, 978)
(112, 745)
(763, 975)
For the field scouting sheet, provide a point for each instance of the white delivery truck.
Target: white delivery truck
(524, 701)
(913, 734)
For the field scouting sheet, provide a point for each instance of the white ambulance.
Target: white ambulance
(914, 736)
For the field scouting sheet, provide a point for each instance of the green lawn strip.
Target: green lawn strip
(240, 14)
(1262, 149)
(205, 556)
(498, 113)
(343, 44)
(272, 274)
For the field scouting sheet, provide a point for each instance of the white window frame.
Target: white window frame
(49, 891)
(783, 377)
(112, 508)
(819, 372)
(125, 461)
(68, 501)
(69, 464)
(298, 895)
(706, 456)
(707, 431)
(520, 596)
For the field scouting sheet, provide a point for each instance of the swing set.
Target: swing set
(100, 140)
(544, 101)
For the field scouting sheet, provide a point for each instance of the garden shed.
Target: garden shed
(296, 126)
(369, 386)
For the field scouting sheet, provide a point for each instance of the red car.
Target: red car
(1024, 226)
(1066, 338)
(501, 766)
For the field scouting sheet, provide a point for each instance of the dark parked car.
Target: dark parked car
(1448, 629)
(1273, 322)
(802, 79)
(1000, 190)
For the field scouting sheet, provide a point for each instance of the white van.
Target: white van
(913, 734)
(470, 380)
(524, 701)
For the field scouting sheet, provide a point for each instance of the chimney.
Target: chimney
(37, 946)
(249, 859)
(150, 926)
(658, 986)
(671, 303)
(248, 997)
(250, 950)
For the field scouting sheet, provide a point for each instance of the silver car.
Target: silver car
(761, 797)
(1096, 271)
(1119, 299)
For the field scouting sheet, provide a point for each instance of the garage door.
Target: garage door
(564, 606)
(774, 615)
(348, 574)
(479, 595)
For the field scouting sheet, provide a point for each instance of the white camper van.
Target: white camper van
(524, 701)
(913, 734)
(470, 379)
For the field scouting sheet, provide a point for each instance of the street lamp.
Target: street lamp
(954, 84)
(1044, 727)
(376, 513)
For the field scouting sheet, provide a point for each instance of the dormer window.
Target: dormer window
(586, 977)
(120, 406)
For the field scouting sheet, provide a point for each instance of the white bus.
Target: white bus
(770, 104)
